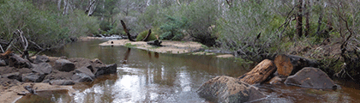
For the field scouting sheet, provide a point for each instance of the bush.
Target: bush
(45, 27)
(172, 29)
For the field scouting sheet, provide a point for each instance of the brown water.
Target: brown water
(166, 78)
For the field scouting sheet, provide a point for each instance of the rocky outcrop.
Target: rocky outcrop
(64, 65)
(224, 89)
(310, 77)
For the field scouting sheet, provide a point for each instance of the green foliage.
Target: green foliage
(45, 27)
(105, 25)
(143, 34)
(172, 29)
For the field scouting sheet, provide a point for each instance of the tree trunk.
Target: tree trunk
(299, 19)
(290, 64)
(260, 73)
(126, 31)
(307, 16)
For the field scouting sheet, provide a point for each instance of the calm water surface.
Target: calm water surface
(166, 78)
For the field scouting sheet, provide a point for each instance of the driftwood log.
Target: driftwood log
(126, 31)
(290, 64)
(260, 73)
(155, 43)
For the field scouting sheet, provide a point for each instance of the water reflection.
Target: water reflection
(174, 78)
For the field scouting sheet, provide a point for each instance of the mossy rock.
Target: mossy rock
(143, 34)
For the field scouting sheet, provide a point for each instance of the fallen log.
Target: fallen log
(290, 64)
(260, 73)
(155, 43)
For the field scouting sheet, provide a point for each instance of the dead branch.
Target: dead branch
(126, 31)
(147, 36)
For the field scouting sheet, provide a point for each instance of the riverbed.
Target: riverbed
(174, 78)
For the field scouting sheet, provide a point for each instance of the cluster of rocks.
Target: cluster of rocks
(286, 69)
(53, 70)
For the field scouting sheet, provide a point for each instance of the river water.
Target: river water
(168, 78)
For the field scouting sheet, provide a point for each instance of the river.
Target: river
(172, 78)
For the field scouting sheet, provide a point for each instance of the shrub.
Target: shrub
(172, 29)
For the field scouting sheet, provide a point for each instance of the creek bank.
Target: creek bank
(173, 47)
(234, 90)
(48, 72)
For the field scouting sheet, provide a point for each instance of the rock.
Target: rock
(42, 68)
(224, 89)
(276, 80)
(14, 75)
(82, 77)
(2, 62)
(106, 69)
(260, 72)
(32, 77)
(86, 71)
(96, 61)
(59, 75)
(18, 62)
(61, 82)
(310, 77)
(64, 65)
(41, 58)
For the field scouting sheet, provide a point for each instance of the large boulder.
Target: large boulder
(61, 82)
(86, 71)
(64, 65)
(105, 69)
(32, 77)
(310, 77)
(224, 89)
(42, 68)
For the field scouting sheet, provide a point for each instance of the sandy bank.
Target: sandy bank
(174, 47)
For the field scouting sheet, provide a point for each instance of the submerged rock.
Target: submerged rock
(64, 65)
(105, 69)
(42, 68)
(224, 89)
(310, 77)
